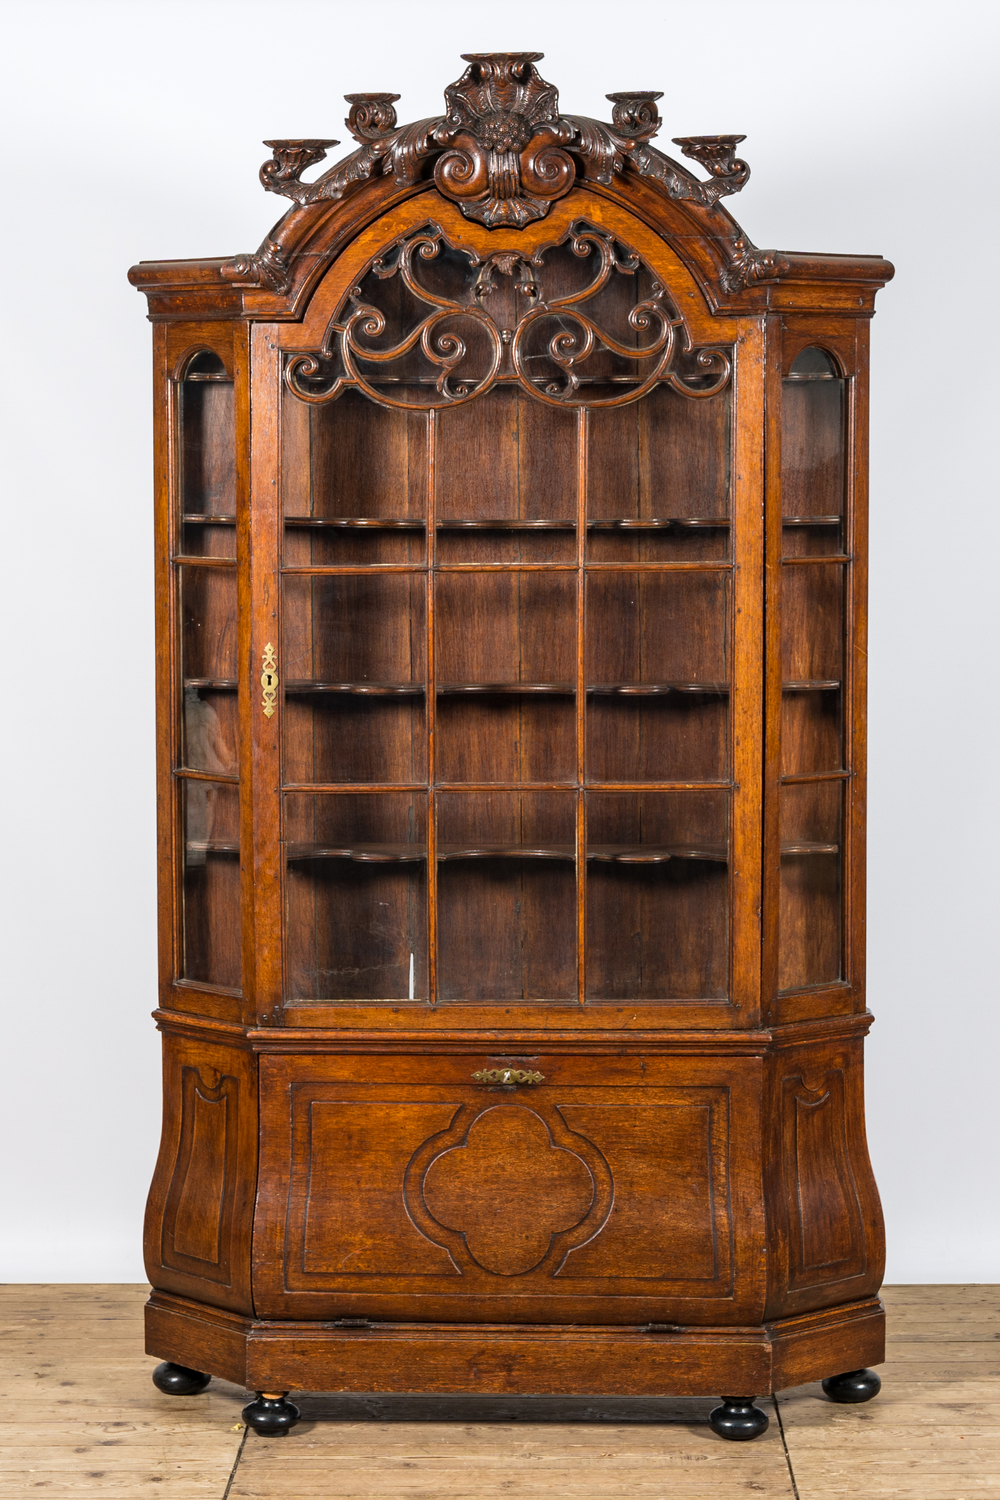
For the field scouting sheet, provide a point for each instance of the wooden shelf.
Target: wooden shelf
(371, 854)
(212, 846)
(506, 689)
(197, 518)
(356, 523)
(815, 685)
(811, 520)
(809, 376)
(212, 684)
(656, 854)
(808, 846)
(691, 523)
(302, 685)
(206, 379)
(488, 525)
(655, 689)
(621, 854)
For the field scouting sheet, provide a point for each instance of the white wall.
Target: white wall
(134, 131)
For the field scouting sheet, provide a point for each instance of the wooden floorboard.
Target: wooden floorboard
(81, 1417)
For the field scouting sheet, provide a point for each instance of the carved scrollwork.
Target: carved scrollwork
(371, 116)
(504, 154)
(556, 322)
(289, 160)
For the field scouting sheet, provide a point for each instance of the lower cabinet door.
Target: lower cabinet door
(598, 1189)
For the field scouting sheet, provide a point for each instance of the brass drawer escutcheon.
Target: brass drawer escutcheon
(508, 1075)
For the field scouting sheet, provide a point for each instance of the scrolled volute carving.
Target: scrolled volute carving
(635, 114)
(371, 116)
(289, 160)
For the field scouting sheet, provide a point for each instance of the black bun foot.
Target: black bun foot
(737, 1419)
(271, 1415)
(855, 1385)
(178, 1380)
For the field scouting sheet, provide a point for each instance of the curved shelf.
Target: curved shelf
(812, 685)
(655, 689)
(356, 523)
(200, 518)
(811, 520)
(691, 523)
(369, 854)
(621, 854)
(505, 851)
(304, 685)
(506, 689)
(808, 846)
(488, 525)
(656, 854)
(808, 376)
(213, 684)
(212, 846)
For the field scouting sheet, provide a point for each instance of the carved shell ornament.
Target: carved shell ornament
(504, 154)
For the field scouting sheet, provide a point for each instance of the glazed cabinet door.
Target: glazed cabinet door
(599, 1189)
(517, 727)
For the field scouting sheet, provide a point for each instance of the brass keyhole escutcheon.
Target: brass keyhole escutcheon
(508, 1075)
(269, 680)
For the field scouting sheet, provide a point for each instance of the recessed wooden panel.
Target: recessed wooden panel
(352, 1158)
(192, 1227)
(669, 1162)
(827, 1240)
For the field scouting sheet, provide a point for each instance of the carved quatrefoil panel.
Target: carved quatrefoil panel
(512, 1192)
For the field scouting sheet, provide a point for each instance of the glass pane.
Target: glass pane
(507, 896)
(354, 655)
(812, 456)
(657, 676)
(657, 895)
(211, 919)
(354, 482)
(207, 427)
(506, 676)
(809, 920)
(658, 479)
(356, 896)
(812, 638)
(209, 727)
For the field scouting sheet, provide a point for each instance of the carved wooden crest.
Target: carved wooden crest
(504, 154)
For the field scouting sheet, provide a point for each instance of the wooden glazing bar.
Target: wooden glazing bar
(218, 776)
(359, 788)
(808, 777)
(430, 711)
(181, 559)
(581, 705)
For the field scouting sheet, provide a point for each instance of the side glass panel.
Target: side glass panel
(813, 645)
(210, 817)
(207, 727)
(207, 459)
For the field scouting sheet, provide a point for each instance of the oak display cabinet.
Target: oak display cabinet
(511, 529)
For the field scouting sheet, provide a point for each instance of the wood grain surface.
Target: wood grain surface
(94, 1425)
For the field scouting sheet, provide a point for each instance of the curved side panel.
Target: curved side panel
(200, 1207)
(825, 1231)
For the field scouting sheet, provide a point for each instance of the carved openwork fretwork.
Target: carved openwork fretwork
(504, 154)
(581, 321)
